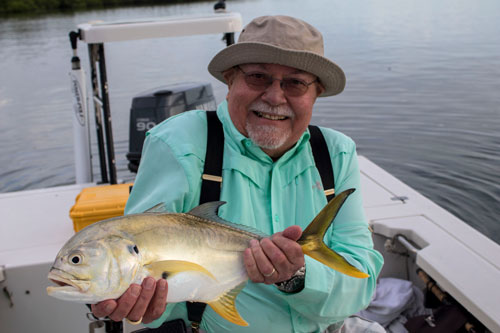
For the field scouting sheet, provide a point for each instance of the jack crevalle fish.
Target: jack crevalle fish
(198, 253)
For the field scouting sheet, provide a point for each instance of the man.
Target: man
(274, 74)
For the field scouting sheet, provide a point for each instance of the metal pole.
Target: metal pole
(107, 115)
(93, 58)
(229, 37)
(220, 7)
(81, 128)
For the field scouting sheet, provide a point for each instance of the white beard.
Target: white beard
(268, 136)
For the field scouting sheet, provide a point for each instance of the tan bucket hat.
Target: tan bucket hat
(282, 40)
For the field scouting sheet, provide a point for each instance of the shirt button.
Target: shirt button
(248, 143)
(276, 218)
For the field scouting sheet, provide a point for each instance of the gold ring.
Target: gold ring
(134, 322)
(270, 274)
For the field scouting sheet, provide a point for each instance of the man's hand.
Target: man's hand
(276, 258)
(146, 302)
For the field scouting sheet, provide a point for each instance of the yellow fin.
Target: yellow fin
(226, 308)
(312, 239)
(171, 267)
(332, 259)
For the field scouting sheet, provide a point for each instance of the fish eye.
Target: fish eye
(76, 259)
(133, 249)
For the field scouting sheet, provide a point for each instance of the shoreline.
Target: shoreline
(22, 8)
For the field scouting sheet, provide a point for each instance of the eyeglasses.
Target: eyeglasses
(261, 81)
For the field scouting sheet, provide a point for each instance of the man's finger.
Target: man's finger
(104, 308)
(277, 258)
(126, 302)
(140, 307)
(158, 302)
(293, 232)
(250, 264)
(265, 255)
(291, 249)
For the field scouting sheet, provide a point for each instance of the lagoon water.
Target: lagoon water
(422, 98)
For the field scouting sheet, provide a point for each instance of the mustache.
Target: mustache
(280, 110)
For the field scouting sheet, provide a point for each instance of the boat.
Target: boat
(421, 242)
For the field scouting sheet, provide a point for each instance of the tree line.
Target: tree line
(43, 6)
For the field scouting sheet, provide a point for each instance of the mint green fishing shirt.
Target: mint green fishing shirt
(268, 196)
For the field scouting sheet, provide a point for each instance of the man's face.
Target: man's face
(270, 117)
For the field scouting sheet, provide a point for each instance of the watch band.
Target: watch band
(294, 284)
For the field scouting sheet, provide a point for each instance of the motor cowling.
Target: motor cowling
(155, 105)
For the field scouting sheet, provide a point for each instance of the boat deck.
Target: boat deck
(35, 225)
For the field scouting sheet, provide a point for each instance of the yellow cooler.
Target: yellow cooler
(98, 203)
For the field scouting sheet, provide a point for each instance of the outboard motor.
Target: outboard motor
(153, 106)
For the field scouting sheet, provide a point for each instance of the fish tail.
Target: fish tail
(312, 239)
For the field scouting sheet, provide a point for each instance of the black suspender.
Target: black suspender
(210, 191)
(212, 180)
(212, 172)
(322, 161)
(195, 313)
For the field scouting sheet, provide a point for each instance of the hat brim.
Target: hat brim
(330, 74)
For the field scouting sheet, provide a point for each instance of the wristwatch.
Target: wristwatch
(295, 283)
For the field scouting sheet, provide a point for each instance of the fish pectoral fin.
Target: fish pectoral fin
(171, 267)
(226, 308)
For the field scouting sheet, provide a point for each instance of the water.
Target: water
(422, 98)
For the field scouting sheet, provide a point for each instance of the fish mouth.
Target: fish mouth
(63, 283)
